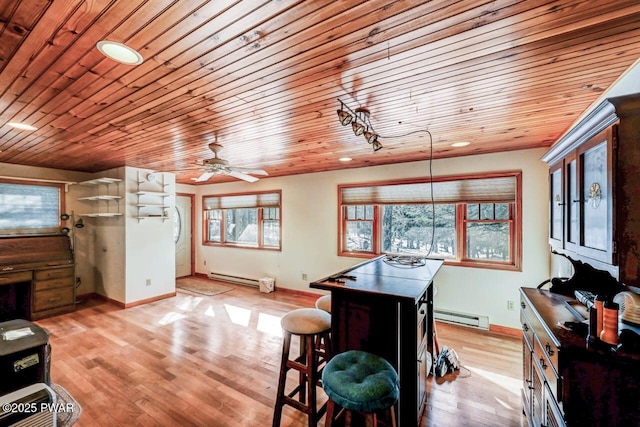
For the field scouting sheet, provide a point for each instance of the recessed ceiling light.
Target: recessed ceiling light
(22, 126)
(119, 52)
(460, 144)
(345, 159)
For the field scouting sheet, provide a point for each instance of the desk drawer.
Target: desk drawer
(53, 273)
(17, 277)
(45, 300)
(43, 285)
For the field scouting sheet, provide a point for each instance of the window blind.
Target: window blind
(473, 190)
(29, 209)
(239, 201)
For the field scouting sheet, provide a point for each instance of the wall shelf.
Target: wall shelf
(99, 181)
(106, 200)
(152, 193)
(152, 197)
(100, 197)
(100, 214)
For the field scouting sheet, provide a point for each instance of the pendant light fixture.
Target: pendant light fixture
(360, 123)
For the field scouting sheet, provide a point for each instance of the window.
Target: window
(243, 220)
(30, 208)
(467, 220)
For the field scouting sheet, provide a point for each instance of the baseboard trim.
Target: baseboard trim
(128, 304)
(280, 289)
(505, 330)
(148, 300)
(106, 299)
(298, 292)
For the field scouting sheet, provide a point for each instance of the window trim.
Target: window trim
(260, 223)
(61, 206)
(515, 234)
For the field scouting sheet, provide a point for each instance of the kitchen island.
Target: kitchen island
(385, 306)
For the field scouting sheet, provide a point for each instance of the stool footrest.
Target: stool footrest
(304, 408)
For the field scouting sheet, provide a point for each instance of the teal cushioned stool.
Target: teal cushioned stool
(360, 382)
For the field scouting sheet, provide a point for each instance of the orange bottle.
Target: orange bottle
(610, 323)
(599, 302)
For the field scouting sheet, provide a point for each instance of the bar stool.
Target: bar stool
(324, 303)
(360, 382)
(313, 327)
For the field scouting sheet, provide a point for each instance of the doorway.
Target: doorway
(183, 234)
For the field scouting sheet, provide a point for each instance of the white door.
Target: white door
(182, 235)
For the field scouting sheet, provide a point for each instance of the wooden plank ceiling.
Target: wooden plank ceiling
(263, 79)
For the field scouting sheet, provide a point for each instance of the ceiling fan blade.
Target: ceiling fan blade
(241, 175)
(251, 171)
(205, 176)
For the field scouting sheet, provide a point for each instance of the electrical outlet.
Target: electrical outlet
(511, 305)
(148, 282)
(304, 276)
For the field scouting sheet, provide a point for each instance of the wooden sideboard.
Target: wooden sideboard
(567, 381)
(387, 310)
(36, 277)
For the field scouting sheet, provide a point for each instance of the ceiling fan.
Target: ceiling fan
(218, 166)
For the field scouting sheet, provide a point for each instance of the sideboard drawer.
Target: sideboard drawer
(45, 300)
(547, 368)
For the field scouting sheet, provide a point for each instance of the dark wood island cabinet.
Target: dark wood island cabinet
(386, 308)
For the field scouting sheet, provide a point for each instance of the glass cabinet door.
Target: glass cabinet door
(573, 205)
(596, 203)
(556, 207)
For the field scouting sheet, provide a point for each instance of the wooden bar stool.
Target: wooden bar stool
(360, 382)
(313, 327)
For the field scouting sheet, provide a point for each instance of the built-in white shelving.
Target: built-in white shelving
(101, 214)
(152, 196)
(106, 200)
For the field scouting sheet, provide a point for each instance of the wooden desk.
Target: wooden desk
(36, 277)
(388, 310)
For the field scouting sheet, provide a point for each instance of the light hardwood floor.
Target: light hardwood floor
(213, 361)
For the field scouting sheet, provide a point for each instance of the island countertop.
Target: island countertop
(384, 276)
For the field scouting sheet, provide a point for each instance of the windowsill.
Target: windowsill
(447, 262)
(231, 245)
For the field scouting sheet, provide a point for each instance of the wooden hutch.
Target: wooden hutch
(594, 184)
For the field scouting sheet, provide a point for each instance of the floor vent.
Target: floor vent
(473, 320)
(234, 279)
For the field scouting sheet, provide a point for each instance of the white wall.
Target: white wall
(310, 224)
(150, 259)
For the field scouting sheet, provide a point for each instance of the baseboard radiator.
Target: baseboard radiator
(234, 279)
(473, 320)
